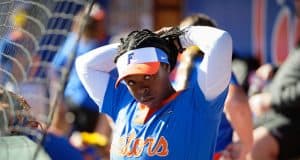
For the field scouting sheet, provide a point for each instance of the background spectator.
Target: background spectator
(277, 112)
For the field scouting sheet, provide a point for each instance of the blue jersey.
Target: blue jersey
(225, 131)
(177, 127)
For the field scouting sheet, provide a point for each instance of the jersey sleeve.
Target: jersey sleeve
(97, 72)
(214, 72)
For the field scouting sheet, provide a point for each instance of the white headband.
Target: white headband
(142, 55)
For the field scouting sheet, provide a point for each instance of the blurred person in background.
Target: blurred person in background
(277, 110)
(15, 50)
(237, 117)
(76, 100)
(259, 79)
(94, 34)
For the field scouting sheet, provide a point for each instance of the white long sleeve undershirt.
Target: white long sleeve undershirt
(215, 69)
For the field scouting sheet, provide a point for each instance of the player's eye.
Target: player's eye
(147, 77)
(130, 83)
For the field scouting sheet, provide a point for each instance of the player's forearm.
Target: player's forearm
(215, 67)
(93, 70)
(99, 59)
(206, 38)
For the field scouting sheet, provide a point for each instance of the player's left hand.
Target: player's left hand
(163, 30)
(171, 34)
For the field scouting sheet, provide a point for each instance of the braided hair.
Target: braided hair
(146, 38)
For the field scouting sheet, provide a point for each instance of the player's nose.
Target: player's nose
(143, 90)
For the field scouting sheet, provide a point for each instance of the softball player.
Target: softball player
(152, 120)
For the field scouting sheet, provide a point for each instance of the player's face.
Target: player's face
(150, 90)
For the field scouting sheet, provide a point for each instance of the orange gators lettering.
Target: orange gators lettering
(126, 143)
(159, 149)
(134, 147)
(137, 148)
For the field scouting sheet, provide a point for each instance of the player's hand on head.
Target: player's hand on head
(171, 34)
(162, 30)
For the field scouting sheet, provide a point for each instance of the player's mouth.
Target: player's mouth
(147, 100)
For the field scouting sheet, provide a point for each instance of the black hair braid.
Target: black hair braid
(171, 37)
(146, 38)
